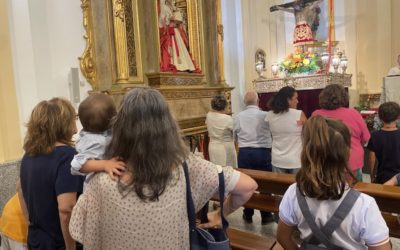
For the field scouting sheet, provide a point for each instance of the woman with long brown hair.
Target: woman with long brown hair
(147, 209)
(49, 189)
(321, 192)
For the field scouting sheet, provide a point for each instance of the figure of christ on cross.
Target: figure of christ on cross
(306, 15)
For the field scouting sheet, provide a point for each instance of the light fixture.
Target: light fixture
(343, 64)
(260, 69)
(325, 59)
(260, 63)
(336, 63)
(275, 69)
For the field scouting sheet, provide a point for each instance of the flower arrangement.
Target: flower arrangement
(299, 62)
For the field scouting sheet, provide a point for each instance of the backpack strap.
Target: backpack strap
(341, 212)
(310, 219)
(323, 235)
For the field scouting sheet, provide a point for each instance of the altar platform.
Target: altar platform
(308, 88)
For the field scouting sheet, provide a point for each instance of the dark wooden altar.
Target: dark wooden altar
(308, 88)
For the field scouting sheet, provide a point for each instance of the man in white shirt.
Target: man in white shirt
(396, 69)
(252, 134)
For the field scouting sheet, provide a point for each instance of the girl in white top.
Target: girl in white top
(322, 180)
(286, 123)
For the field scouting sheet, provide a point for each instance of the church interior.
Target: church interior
(191, 51)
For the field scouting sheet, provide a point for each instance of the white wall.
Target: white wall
(249, 26)
(233, 51)
(47, 38)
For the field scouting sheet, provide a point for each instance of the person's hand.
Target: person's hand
(214, 220)
(114, 167)
(300, 122)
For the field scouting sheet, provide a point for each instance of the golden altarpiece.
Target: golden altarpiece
(123, 51)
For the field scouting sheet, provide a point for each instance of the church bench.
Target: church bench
(388, 200)
(267, 198)
(393, 224)
(271, 188)
(242, 240)
(387, 197)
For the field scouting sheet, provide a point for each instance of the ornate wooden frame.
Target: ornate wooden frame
(195, 20)
(87, 61)
(127, 44)
(125, 50)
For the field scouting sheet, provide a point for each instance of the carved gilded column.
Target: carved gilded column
(120, 41)
(193, 29)
(220, 42)
(87, 60)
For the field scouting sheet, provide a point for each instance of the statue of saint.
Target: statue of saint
(174, 42)
(306, 13)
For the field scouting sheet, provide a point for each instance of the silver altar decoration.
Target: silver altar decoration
(260, 65)
(317, 81)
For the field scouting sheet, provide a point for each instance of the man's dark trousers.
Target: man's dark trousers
(257, 159)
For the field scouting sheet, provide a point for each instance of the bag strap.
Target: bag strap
(189, 200)
(321, 236)
(221, 190)
(190, 204)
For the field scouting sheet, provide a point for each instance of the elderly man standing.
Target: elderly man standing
(254, 138)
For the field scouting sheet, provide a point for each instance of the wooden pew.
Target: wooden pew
(388, 200)
(243, 240)
(387, 197)
(268, 183)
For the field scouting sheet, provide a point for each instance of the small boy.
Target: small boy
(95, 114)
(384, 144)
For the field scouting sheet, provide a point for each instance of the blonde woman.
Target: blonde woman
(49, 189)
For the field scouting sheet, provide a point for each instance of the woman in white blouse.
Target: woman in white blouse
(286, 123)
(220, 130)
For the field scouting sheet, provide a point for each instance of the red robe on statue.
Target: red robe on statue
(174, 43)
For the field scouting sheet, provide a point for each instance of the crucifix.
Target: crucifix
(306, 14)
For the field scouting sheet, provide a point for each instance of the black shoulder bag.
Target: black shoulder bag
(213, 238)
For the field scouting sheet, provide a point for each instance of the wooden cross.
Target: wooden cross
(291, 4)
